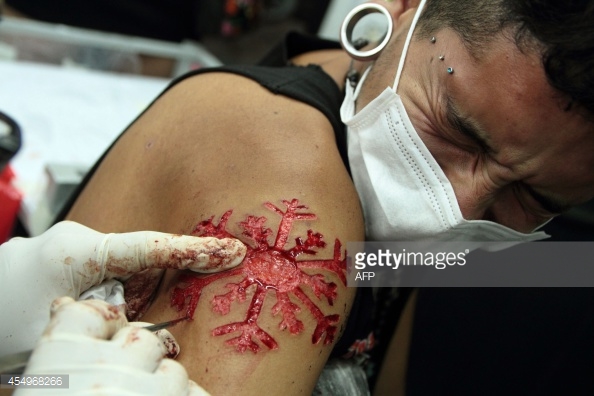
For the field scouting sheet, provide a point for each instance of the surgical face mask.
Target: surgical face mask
(404, 193)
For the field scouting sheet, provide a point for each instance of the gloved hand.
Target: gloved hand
(70, 258)
(91, 342)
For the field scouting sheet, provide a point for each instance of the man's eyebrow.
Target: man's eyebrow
(465, 126)
(551, 205)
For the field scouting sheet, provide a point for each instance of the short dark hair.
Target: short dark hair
(561, 30)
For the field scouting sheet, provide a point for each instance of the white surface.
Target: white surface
(58, 44)
(337, 10)
(67, 116)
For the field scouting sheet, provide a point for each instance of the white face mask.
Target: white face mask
(403, 191)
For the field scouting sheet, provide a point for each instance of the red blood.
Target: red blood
(269, 268)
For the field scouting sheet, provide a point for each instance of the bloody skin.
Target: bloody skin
(268, 268)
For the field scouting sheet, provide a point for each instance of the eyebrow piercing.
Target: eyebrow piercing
(433, 40)
(441, 57)
(450, 70)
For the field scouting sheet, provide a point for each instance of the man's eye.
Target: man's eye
(469, 130)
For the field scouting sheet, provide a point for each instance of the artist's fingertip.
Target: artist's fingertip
(59, 302)
(218, 255)
(91, 318)
(172, 348)
(237, 250)
(170, 345)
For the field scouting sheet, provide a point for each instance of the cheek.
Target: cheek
(457, 162)
(477, 182)
(450, 153)
(459, 165)
(507, 210)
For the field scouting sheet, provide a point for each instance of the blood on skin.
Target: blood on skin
(268, 268)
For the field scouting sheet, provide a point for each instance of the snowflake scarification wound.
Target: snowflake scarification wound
(269, 268)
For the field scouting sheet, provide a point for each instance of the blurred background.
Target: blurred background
(233, 31)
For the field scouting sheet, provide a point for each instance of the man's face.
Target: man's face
(495, 126)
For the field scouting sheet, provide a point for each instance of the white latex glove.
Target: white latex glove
(92, 343)
(70, 258)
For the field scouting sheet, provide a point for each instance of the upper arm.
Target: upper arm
(262, 168)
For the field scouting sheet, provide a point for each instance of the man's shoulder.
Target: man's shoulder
(228, 106)
(220, 132)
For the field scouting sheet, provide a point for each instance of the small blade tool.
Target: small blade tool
(15, 363)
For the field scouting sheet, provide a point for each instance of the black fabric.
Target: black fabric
(497, 341)
(388, 306)
(507, 341)
(518, 341)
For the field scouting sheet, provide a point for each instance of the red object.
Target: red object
(269, 268)
(10, 202)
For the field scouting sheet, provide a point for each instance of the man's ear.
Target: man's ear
(396, 7)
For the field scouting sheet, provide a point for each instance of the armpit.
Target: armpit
(273, 267)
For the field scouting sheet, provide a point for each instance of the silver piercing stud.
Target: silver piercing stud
(433, 39)
(450, 70)
(441, 57)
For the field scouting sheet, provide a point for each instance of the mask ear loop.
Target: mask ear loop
(407, 43)
(346, 32)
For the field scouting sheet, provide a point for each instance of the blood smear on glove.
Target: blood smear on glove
(171, 345)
